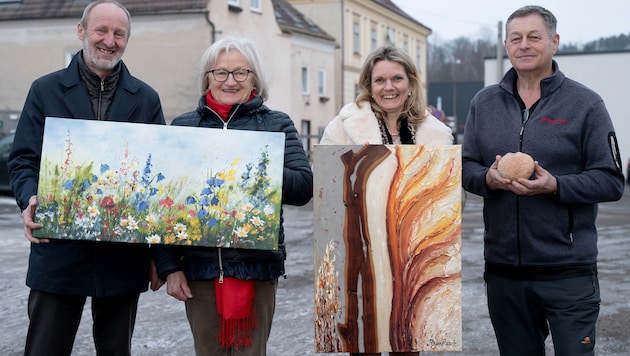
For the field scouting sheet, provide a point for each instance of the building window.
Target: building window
(406, 44)
(356, 90)
(418, 57)
(255, 6)
(356, 38)
(391, 36)
(321, 82)
(304, 81)
(234, 2)
(373, 39)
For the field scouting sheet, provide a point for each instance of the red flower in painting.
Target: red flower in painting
(107, 202)
(167, 202)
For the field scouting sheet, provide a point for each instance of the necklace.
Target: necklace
(395, 134)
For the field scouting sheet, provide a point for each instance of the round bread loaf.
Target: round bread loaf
(515, 165)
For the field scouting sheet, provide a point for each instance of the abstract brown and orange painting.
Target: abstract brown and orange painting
(387, 248)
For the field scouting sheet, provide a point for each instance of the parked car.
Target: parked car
(6, 143)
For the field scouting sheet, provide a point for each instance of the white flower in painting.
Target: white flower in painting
(256, 221)
(247, 207)
(132, 224)
(82, 222)
(182, 235)
(152, 219)
(268, 209)
(179, 227)
(241, 232)
(154, 239)
(93, 211)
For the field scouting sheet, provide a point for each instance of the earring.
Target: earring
(409, 94)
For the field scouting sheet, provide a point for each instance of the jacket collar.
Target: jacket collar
(78, 102)
(360, 123)
(547, 85)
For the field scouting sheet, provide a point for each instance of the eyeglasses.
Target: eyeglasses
(221, 75)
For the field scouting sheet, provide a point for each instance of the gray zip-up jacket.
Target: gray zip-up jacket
(570, 133)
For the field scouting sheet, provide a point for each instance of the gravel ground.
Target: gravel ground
(161, 327)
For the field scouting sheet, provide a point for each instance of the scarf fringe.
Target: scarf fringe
(237, 333)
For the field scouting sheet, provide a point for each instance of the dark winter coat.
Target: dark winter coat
(78, 267)
(202, 263)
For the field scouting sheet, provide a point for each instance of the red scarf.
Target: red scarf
(237, 316)
(222, 109)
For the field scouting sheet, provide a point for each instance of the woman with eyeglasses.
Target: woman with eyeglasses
(230, 293)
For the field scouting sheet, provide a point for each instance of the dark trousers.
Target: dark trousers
(54, 321)
(523, 312)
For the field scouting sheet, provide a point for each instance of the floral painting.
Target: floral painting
(139, 183)
(387, 248)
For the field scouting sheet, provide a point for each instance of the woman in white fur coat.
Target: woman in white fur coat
(389, 108)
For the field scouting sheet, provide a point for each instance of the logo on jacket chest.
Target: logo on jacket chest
(548, 120)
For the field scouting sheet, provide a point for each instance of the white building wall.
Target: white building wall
(315, 55)
(605, 73)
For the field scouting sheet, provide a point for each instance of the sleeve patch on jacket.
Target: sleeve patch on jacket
(614, 150)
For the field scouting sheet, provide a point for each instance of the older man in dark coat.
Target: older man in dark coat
(62, 274)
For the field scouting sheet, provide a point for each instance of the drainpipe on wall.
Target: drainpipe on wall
(213, 32)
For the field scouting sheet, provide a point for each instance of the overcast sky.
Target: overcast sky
(579, 21)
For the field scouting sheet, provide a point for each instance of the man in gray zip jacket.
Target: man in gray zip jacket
(540, 242)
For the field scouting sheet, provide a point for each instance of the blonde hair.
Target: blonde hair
(414, 107)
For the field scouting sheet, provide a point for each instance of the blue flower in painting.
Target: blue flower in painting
(206, 191)
(104, 168)
(203, 201)
(202, 214)
(212, 222)
(214, 201)
(68, 184)
(190, 200)
(85, 185)
(97, 224)
(94, 178)
(143, 206)
(160, 177)
(53, 207)
(146, 176)
(215, 182)
(153, 191)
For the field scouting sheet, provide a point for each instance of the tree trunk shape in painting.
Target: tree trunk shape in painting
(420, 237)
(357, 241)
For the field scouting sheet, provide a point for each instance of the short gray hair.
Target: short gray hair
(244, 47)
(547, 16)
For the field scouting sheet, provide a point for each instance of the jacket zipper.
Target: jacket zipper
(225, 122)
(225, 126)
(100, 101)
(220, 267)
(524, 119)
